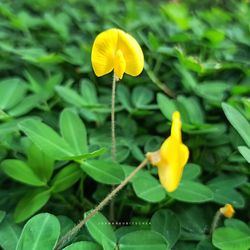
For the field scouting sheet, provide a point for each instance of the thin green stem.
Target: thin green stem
(67, 237)
(113, 135)
(113, 150)
(215, 222)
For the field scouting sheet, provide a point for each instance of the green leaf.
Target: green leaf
(166, 105)
(212, 91)
(224, 192)
(245, 152)
(227, 238)
(140, 240)
(238, 121)
(167, 224)
(215, 35)
(178, 13)
(88, 92)
(194, 222)
(73, 131)
(40, 232)
(46, 139)
(66, 178)
(40, 163)
(191, 171)
(142, 96)
(123, 96)
(224, 195)
(83, 245)
(190, 110)
(237, 224)
(26, 105)
(12, 91)
(149, 189)
(94, 154)
(70, 96)
(101, 230)
(228, 181)
(188, 80)
(106, 172)
(30, 204)
(9, 234)
(193, 192)
(20, 171)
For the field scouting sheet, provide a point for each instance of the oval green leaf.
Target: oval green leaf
(46, 139)
(191, 171)
(83, 245)
(142, 96)
(149, 189)
(227, 238)
(20, 171)
(193, 192)
(167, 224)
(40, 232)
(141, 240)
(66, 177)
(9, 234)
(40, 163)
(30, 204)
(166, 105)
(238, 121)
(12, 91)
(101, 230)
(105, 172)
(73, 131)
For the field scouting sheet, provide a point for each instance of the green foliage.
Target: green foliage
(143, 239)
(162, 221)
(55, 137)
(85, 245)
(231, 238)
(42, 231)
(105, 172)
(100, 229)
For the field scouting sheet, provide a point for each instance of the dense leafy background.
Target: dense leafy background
(55, 124)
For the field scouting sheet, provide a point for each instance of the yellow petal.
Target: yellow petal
(132, 53)
(170, 168)
(176, 126)
(119, 64)
(184, 155)
(103, 52)
(173, 157)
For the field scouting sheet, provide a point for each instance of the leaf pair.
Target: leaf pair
(72, 143)
(101, 230)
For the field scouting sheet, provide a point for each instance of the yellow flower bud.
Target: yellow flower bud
(228, 211)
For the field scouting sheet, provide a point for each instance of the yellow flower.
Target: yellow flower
(116, 50)
(228, 211)
(172, 156)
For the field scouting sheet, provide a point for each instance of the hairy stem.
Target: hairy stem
(67, 237)
(215, 222)
(113, 119)
(113, 144)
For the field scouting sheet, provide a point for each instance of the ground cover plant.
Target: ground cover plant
(57, 155)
